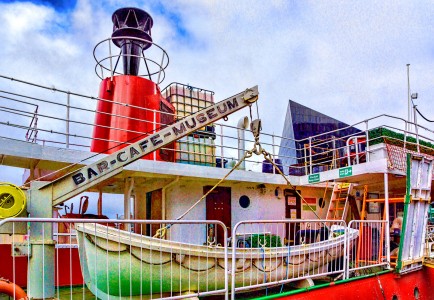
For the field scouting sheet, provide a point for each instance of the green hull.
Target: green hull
(124, 265)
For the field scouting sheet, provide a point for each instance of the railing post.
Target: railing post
(111, 63)
(221, 147)
(154, 129)
(35, 125)
(310, 155)
(159, 71)
(386, 212)
(68, 101)
(356, 145)
(367, 141)
(226, 247)
(233, 259)
(334, 156)
(274, 151)
(40, 281)
(346, 256)
(416, 130)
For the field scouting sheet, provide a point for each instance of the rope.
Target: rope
(263, 261)
(269, 157)
(258, 150)
(325, 191)
(162, 231)
(287, 267)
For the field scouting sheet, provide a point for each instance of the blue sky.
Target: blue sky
(58, 5)
(346, 59)
(322, 54)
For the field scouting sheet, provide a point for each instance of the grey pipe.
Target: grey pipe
(242, 125)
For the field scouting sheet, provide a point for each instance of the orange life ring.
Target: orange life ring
(11, 289)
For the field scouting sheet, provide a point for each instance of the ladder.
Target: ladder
(338, 206)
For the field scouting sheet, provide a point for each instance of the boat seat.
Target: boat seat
(308, 236)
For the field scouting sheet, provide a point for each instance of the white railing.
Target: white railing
(196, 259)
(370, 250)
(66, 119)
(114, 262)
(107, 59)
(429, 242)
(274, 253)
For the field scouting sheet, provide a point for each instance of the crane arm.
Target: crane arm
(81, 180)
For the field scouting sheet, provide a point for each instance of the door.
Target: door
(292, 211)
(154, 208)
(218, 207)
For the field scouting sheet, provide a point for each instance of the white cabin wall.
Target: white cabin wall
(264, 205)
(179, 199)
(317, 193)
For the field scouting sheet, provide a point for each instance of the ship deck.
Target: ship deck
(57, 146)
(28, 155)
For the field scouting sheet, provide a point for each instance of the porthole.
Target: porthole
(244, 201)
(394, 297)
(416, 293)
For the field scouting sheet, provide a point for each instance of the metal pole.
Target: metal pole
(40, 281)
(334, 156)
(409, 96)
(221, 147)
(67, 118)
(161, 67)
(386, 212)
(111, 62)
(243, 123)
(274, 152)
(154, 129)
(356, 144)
(310, 155)
(416, 130)
(128, 188)
(346, 256)
(367, 141)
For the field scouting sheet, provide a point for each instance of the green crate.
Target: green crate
(267, 240)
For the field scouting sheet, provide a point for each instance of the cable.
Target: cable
(431, 121)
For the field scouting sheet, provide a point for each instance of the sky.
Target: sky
(346, 59)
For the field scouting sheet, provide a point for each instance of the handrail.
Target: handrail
(75, 127)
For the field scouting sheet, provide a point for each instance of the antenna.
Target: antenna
(409, 97)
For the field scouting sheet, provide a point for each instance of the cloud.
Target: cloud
(344, 59)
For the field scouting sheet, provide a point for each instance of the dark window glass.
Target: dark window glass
(244, 201)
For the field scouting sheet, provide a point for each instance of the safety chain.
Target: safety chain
(258, 150)
(255, 127)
